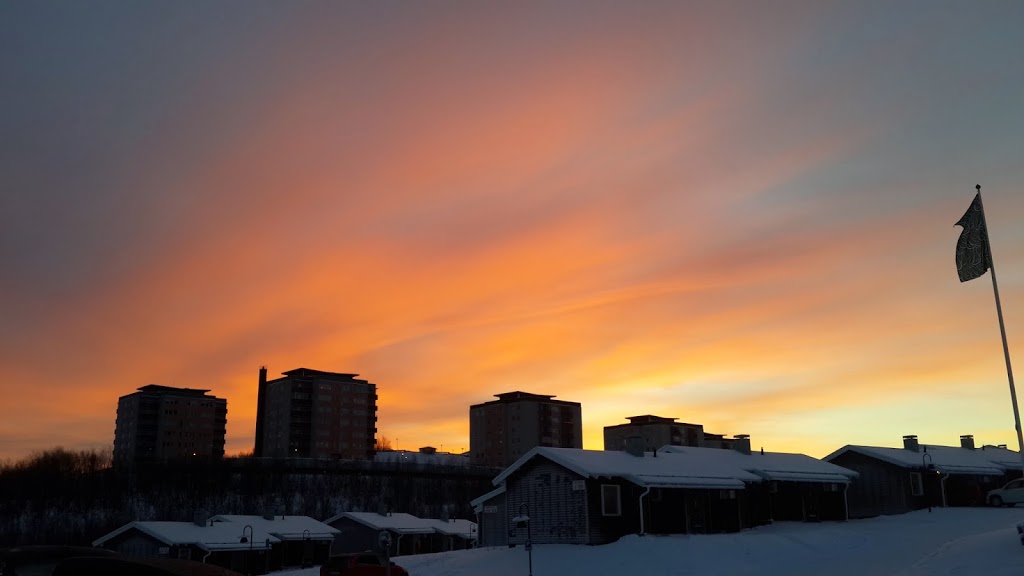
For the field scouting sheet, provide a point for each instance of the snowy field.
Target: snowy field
(946, 542)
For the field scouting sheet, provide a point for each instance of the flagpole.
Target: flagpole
(1002, 332)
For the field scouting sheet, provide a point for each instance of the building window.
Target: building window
(611, 502)
(916, 487)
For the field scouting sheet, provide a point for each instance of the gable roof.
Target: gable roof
(778, 466)
(456, 527)
(946, 459)
(402, 523)
(283, 527)
(478, 502)
(668, 470)
(398, 522)
(220, 536)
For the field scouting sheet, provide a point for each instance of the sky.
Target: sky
(738, 214)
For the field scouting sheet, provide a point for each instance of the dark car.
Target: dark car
(360, 564)
(42, 560)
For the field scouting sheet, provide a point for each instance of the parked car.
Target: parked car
(360, 564)
(1009, 495)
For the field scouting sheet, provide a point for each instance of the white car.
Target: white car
(1012, 493)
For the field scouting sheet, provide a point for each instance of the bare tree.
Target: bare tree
(383, 444)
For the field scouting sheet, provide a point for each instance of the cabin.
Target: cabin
(568, 495)
(918, 476)
(249, 544)
(407, 534)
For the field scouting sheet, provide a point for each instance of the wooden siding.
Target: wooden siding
(493, 526)
(881, 488)
(558, 513)
(354, 537)
(604, 529)
(136, 544)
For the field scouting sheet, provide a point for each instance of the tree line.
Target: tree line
(61, 496)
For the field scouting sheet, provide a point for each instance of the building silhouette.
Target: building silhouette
(166, 423)
(314, 414)
(658, 431)
(502, 430)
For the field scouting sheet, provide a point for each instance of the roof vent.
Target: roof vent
(635, 446)
(967, 441)
(741, 443)
(910, 442)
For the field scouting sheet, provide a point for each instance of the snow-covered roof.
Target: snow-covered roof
(668, 469)
(779, 466)
(402, 523)
(220, 536)
(398, 522)
(457, 527)
(478, 503)
(407, 457)
(946, 459)
(283, 527)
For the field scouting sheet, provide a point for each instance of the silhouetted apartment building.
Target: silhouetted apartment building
(658, 431)
(502, 430)
(315, 414)
(165, 423)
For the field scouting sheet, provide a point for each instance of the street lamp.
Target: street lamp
(243, 540)
(523, 520)
(924, 468)
(307, 556)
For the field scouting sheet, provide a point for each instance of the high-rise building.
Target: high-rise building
(165, 423)
(314, 414)
(502, 430)
(656, 432)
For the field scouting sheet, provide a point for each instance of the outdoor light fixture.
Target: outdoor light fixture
(523, 521)
(243, 540)
(927, 466)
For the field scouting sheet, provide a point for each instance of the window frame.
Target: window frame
(605, 493)
(916, 484)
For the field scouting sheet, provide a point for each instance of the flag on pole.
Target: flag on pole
(973, 256)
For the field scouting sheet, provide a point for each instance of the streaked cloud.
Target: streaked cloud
(736, 215)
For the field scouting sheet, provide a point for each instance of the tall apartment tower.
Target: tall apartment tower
(656, 431)
(502, 430)
(314, 414)
(165, 423)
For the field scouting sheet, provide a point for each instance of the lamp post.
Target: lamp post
(925, 467)
(243, 540)
(523, 519)
(307, 559)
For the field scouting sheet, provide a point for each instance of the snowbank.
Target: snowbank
(946, 542)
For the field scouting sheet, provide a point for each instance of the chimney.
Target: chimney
(967, 441)
(199, 518)
(910, 443)
(261, 396)
(741, 443)
(635, 446)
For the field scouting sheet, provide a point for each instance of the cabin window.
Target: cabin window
(916, 487)
(611, 502)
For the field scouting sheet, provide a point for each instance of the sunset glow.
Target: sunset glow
(735, 214)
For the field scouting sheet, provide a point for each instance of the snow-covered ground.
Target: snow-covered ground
(946, 542)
